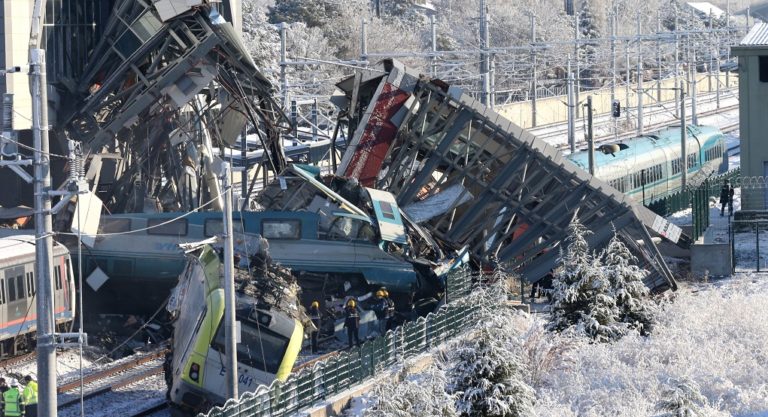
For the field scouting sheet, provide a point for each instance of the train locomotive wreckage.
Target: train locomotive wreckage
(429, 179)
(166, 90)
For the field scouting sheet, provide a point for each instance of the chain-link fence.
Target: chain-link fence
(352, 367)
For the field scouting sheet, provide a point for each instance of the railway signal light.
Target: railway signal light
(616, 108)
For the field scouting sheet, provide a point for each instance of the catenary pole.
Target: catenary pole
(46, 340)
(639, 80)
(533, 71)
(571, 109)
(683, 140)
(590, 137)
(230, 325)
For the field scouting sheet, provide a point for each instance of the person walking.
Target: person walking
(352, 322)
(30, 396)
(315, 316)
(726, 198)
(13, 403)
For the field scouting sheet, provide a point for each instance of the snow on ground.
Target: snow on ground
(715, 334)
(124, 401)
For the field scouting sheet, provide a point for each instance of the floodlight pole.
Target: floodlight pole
(683, 140)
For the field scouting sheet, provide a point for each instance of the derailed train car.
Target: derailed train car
(271, 332)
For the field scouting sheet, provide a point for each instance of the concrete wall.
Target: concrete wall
(711, 260)
(553, 109)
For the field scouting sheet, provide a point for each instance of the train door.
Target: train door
(59, 282)
(17, 297)
(3, 302)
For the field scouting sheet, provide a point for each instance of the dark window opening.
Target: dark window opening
(258, 344)
(763, 69)
(167, 227)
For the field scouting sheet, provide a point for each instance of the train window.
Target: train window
(2, 291)
(281, 229)
(57, 277)
(20, 287)
(258, 344)
(109, 225)
(386, 210)
(215, 227)
(30, 284)
(177, 227)
(11, 289)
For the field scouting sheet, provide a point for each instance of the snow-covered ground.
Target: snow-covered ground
(714, 334)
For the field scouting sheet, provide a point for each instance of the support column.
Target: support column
(533, 71)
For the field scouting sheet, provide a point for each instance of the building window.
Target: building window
(763, 69)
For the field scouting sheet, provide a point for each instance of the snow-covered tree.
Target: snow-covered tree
(415, 396)
(581, 294)
(626, 279)
(488, 378)
(683, 399)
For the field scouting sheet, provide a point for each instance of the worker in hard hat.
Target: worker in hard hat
(30, 396)
(389, 312)
(315, 316)
(380, 308)
(13, 402)
(352, 322)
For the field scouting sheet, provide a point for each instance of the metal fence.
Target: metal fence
(750, 236)
(682, 200)
(352, 367)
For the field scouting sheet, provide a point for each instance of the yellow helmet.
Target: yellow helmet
(379, 293)
(351, 303)
(315, 304)
(386, 293)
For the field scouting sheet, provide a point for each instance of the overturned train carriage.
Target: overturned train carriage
(270, 337)
(474, 178)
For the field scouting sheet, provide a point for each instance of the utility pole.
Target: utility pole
(283, 27)
(683, 140)
(677, 63)
(658, 57)
(613, 55)
(230, 324)
(576, 37)
(46, 338)
(433, 58)
(533, 71)
(628, 80)
(364, 40)
(693, 79)
(639, 81)
(590, 137)
(571, 110)
(485, 67)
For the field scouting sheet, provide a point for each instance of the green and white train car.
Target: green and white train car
(269, 343)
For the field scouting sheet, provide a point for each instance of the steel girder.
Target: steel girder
(523, 192)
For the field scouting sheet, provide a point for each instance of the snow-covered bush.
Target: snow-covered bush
(488, 377)
(417, 395)
(683, 399)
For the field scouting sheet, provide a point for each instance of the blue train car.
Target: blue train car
(650, 167)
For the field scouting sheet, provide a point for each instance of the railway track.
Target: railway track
(111, 378)
(8, 364)
(560, 129)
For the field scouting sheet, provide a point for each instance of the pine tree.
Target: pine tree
(588, 29)
(626, 279)
(582, 294)
(315, 13)
(487, 377)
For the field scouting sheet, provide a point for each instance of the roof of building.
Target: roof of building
(706, 8)
(757, 36)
